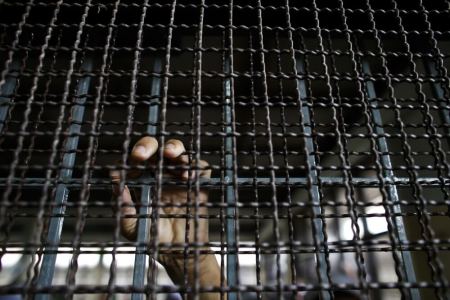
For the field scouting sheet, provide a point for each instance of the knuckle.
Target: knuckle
(128, 233)
(114, 175)
(204, 163)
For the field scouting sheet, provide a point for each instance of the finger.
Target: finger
(127, 225)
(173, 149)
(144, 149)
(204, 171)
(127, 209)
(115, 176)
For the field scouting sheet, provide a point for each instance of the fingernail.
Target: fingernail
(170, 146)
(115, 175)
(140, 150)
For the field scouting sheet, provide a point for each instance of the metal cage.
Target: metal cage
(325, 125)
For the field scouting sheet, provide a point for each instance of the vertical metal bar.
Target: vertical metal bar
(229, 191)
(439, 94)
(372, 267)
(317, 223)
(143, 229)
(62, 192)
(388, 173)
(438, 91)
(151, 272)
(7, 91)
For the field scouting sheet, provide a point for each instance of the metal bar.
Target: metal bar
(389, 175)
(143, 229)
(438, 91)
(7, 92)
(317, 223)
(372, 267)
(229, 191)
(62, 191)
(101, 183)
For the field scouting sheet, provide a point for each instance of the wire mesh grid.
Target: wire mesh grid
(324, 125)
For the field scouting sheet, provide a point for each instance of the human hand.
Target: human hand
(170, 230)
(173, 230)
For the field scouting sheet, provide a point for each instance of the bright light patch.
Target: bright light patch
(88, 260)
(63, 259)
(245, 260)
(376, 225)
(85, 260)
(123, 260)
(11, 259)
(347, 231)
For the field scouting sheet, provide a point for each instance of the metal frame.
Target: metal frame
(230, 183)
(317, 223)
(47, 268)
(232, 260)
(388, 174)
(217, 183)
(143, 228)
(7, 90)
(438, 90)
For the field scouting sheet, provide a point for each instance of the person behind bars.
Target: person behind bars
(173, 230)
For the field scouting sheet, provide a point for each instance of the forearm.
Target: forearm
(208, 272)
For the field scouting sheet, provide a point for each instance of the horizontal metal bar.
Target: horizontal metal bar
(244, 247)
(216, 182)
(80, 289)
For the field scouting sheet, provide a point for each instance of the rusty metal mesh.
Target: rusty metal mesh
(325, 125)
